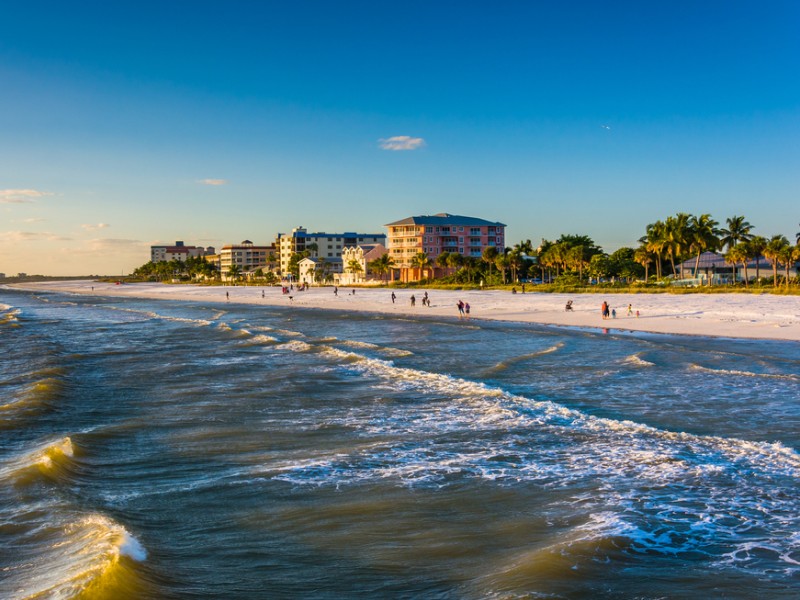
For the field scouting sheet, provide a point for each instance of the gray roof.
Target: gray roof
(710, 260)
(446, 219)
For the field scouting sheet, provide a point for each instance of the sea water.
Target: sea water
(183, 450)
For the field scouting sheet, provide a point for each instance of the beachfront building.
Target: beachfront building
(328, 246)
(714, 269)
(355, 263)
(435, 234)
(247, 257)
(177, 251)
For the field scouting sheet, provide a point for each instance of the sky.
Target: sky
(127, 124)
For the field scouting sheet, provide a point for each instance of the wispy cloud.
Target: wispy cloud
(213, 181)
(21, 196)
(91, 227)
(33, 220)
(401, 142)
(33, 236)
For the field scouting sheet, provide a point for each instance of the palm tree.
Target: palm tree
(703, 236)
(515, 262)
(443, 259)
(420, 261)
(488, 256)
(525, 247)
(577, 259)
(738, 254)
(381, 265)
(797, 238)
(676, 238)
(788, 256)
(738, 231)
(773, 252)
(234, 271)
(454, 261)
(502, 264)
(644, 257)
(354, 267)
(655, 241)
(470, 265)
(756, 246)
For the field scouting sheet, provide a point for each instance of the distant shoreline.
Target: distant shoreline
(746, 316)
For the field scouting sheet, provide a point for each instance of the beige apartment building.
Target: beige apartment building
(178, 251)
(247, 256)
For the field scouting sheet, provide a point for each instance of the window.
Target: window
(437, 230)
(461, 251)
(461, 229)
(429, 230)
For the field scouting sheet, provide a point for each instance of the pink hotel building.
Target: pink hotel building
(443, 232)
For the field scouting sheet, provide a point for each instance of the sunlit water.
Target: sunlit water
(175, 450)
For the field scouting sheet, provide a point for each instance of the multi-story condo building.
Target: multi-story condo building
(435, 234)
(327, 246)
(246, 256)
(179, 251)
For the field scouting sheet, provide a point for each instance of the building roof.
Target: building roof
(446, 219)
(710, 260)
(373, 252)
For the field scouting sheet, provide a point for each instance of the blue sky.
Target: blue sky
(597, 118)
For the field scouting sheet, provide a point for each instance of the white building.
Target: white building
(362, 255)
(328, 246)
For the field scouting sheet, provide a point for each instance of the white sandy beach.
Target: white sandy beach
(762, 316)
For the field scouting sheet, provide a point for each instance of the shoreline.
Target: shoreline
(735, 316)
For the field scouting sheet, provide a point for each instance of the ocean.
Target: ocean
(156, 449)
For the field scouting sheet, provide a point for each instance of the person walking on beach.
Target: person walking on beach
(335, 291)
(466, 309)
(630, 309)
(604, 309)
(425, 301)
(227, 296)
(262, 293)
(393, 297)
(460, 306)
(413, 300)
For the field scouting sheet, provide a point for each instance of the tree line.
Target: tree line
(570, 259)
